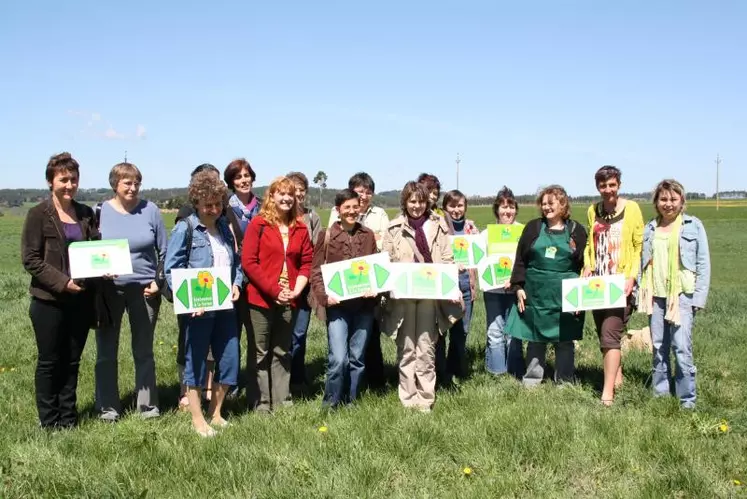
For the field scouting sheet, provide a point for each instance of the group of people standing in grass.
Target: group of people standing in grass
(275, 248)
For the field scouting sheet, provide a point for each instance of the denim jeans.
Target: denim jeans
(214, 331)
(298, 340)
(502, 353)
(348, 332)
(455, 362)
(665, 336)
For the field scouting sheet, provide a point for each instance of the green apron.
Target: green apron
(543, 320)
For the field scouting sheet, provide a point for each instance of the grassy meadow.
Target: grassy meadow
(489, 438)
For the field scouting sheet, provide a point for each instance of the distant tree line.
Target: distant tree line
(173, 198)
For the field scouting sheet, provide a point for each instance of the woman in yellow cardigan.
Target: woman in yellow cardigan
(615, 227)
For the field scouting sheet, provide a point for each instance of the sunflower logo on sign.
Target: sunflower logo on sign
(205, 279)
(359, 268)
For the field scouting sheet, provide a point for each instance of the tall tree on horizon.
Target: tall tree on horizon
(320, 179)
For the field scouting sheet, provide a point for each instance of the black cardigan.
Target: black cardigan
(529, 236)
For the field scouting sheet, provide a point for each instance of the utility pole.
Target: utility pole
(125, 157)
(718, 164)
(457, 164)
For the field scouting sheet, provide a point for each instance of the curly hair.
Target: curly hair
(62, 162)
(430, 182)
(558, 193)
(505, 196)
(206, 186)
(270, 212)
(408, 190)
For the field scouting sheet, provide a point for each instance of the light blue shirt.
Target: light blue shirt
(144, 230)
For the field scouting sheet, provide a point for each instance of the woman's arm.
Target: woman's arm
(304, 271)
(589, 247)
(702, 268)
(317, 282)
(176, 253)
(32, 256)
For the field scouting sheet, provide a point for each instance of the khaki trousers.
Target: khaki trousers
(272, 335)
(416, 354)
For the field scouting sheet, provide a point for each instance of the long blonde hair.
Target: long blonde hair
(270, 212)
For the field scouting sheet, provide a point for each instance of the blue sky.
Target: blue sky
(529, 93)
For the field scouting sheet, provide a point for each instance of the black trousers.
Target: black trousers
(61, 331)
(374, 359)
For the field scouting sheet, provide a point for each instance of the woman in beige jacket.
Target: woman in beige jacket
(418, 236)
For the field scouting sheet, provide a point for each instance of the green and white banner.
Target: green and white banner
(98, 258)
(201, 289)
(353, 278)
(593, 293)
(503, 238)
(468, 250)
(423, 281)
(495, 271)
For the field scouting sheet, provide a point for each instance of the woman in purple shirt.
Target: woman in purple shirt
(62, 309)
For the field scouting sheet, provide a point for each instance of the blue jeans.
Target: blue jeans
(298, 340)
(455, 363)
(665, 336)
(217, 331)
(348, 332)
(503, 353)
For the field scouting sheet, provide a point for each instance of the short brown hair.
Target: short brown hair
(504, 196)
(607, 172)
(453, 196)
(205, 185)
(124, 170)
(430, 182)
(62, 162)
(408, 190)
(672, 185)
(269, 211)
(299, 178)
(559, 193)
(234, 168)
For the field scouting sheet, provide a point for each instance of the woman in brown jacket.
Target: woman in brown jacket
(349, 323)
(62, 309)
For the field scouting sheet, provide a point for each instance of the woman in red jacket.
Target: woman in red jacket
(276, 257)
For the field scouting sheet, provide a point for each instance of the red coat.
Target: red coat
(262, 259)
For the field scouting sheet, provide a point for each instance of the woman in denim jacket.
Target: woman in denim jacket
(674, 281)
(213, 245)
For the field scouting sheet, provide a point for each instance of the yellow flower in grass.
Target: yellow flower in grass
(359, 268)
(736, 483)
(428, 273)
(460, 244)
(467, 471)
(596, 284)
(723, 427)
(323, 429)
(205, 279)
(504, 262)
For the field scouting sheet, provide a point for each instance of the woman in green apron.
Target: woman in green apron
(550, 250)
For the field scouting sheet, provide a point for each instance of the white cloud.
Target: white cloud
(112, 134)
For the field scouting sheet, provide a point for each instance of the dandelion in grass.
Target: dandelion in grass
(736, 483)
(322, 429)
(467, 471)
(723, 427)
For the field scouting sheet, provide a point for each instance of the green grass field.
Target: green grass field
(548, 442)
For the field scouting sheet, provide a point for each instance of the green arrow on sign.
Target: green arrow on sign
(572, 297)
(487, 276)
(335, 284)
(477, 253)
(447, 284)
(615, 293)
(381, 274)
(182, 294)
(223, 291)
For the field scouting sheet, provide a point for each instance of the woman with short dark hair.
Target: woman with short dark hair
(62, 308)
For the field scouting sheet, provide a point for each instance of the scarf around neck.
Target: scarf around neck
(421, 242)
